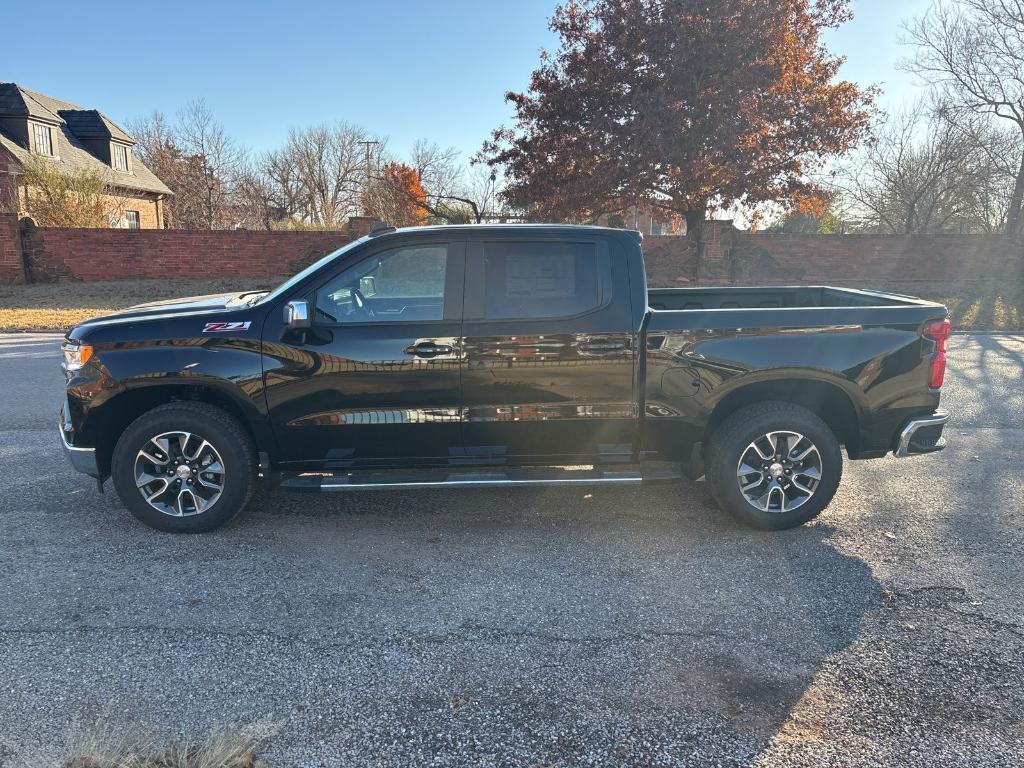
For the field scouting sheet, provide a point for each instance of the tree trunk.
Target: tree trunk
(695, 220)
(1014, 214)
(695, 234)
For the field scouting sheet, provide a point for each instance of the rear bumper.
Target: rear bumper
(82, 459)
(922, 434)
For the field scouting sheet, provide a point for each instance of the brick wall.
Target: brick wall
(823, 258)
(103, 254)
(732, 256)
(57, 253)
(727, 255)
(10, 250)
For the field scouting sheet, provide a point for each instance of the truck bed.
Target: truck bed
(772, 297)
(783, 306)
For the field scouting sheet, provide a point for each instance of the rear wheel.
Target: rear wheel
(773, 465)
(184, 467)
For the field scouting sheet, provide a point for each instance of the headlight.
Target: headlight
(75, 355)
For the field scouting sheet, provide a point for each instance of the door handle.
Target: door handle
(428, 349)
(602, 347)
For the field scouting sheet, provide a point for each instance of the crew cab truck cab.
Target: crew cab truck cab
(497, 356)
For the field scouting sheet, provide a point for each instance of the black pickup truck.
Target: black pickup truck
(481, 356)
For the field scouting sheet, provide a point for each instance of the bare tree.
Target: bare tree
(216, 160)
(257, 202)
(973, 51)
(153, 135)
(452, 194)
(157, 147)
(320, 171)
(287, 192)
(996, 161)
(921, 175)
(324, 174)
(998, 155)
(438, 168)
(197, 159)
(484, 186)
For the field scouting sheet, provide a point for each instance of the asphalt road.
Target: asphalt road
(559, 627)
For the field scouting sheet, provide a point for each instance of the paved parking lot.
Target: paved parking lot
(557, 627)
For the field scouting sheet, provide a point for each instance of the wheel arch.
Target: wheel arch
(826, 399)
(109, 422)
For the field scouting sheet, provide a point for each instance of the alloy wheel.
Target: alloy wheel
(179, 473)
(779, 472)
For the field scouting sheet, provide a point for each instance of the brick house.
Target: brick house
(33, 125)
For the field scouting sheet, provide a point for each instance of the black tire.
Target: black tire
(208, 423)
(730, 441)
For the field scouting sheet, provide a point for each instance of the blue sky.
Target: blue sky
(400, 68)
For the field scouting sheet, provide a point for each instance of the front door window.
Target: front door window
(405, 285)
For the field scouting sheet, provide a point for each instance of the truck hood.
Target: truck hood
(170, 309)
(173, 306)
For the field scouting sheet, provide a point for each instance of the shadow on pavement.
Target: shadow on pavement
(619, 617)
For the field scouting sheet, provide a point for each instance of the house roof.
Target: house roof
(16, 101)
(74, 127)
(91, 123)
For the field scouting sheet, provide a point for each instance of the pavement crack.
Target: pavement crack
(952, 600)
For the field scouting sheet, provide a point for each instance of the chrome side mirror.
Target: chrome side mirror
(296, 315)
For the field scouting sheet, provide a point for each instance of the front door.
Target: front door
(376, 380)
(550, 352)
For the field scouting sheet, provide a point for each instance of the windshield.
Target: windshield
(298, 278)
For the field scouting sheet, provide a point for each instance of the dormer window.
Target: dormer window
(120, 158)
(42, 136)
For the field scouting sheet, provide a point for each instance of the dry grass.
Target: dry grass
(106, 746)
(978, 305)
(974, 305)
(1000, 308)
(60, 306)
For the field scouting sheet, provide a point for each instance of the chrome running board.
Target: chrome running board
(527, 477)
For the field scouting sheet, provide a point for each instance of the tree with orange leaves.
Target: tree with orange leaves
(397, 197)
(681, 105)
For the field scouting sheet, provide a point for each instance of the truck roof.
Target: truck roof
(506, 228)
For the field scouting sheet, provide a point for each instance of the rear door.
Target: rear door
(550, 355)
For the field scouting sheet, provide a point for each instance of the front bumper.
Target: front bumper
(82, 459)
(922, 434)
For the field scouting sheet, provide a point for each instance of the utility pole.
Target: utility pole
(366, 145)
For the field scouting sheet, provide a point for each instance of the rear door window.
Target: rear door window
(532, 280)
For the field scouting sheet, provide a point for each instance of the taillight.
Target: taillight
(938, 331)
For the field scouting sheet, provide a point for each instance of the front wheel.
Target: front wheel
(184, 467)
(773, 465)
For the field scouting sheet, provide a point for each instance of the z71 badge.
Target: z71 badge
(225, 327)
